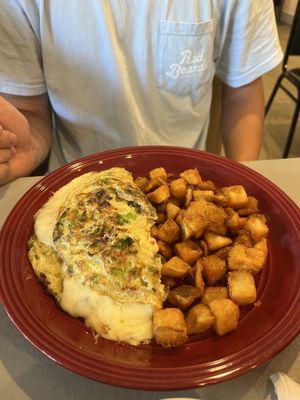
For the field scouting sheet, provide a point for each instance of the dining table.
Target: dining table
(28, 374)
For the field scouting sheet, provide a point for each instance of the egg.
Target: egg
(93, 245)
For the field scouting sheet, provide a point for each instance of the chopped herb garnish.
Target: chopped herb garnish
(125, 218)
(70, 269)
(133, 273)
(95, 278)
(106, 180)
(83, 216)
(152, 269)
(135, 205)
(144, 283)
(117, 193)
(118, 272)
(58, 231)
(124, 243)
(128, 190)
(162, 258)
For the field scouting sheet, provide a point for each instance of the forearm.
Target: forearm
(242, 120)
(41, 134)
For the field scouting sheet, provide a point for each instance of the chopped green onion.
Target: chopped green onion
(105, 180)
(153, 270)
(95, 278)
(125, 242)
(118, 272)
(135, 205)
(70, 269)
(125, 218)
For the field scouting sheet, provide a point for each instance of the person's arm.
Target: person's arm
(25, 134)
(242, 120)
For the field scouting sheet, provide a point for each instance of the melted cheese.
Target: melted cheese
(126, 322)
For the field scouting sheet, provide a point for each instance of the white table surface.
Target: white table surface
(26, 374)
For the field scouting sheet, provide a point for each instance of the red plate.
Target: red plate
(262, 331)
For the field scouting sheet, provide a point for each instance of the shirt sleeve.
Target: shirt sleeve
(250, 47)
(21, 71)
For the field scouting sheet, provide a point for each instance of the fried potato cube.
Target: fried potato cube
(204, 247)
(262, 245)
(215, 242)
(178, 188)
(216, 229)
(226, 314)
(142, 183)
(232, 196)
(199, 282)
(169, 231)
(175, 268)
(234, 222)
(214, 269)
(161, 218)
(223, 252)
(169, 327)
(172, 210)
(191, 224)
(159, 195)
(261, 217)
(153, 184)
(198, 216)
(178, 219)
(154, 231)
(207, 185)
(214, 216)
(188, 251)
(164, 249)
(214, 292)
(199, 319)
(244, 237)
(188, 197)
(168, 281)
(158, 173)
(249, 258)
(250, 208)
(256, 227)
(161, 208)
(183, 296)
(191, 176)
(207, 195)
(241, 287)
(252, 203)
(175, 201)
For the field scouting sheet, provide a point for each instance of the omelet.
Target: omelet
(93, 250)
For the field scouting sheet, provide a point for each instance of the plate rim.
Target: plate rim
(191, 381)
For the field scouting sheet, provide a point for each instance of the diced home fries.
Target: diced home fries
(241, 287)
(226, 314)
(199, 319)
(212, 241)
(169, 327)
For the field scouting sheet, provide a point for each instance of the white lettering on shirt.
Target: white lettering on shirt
(189, 64)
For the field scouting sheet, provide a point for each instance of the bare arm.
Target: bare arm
(25, 134)
(242, 120)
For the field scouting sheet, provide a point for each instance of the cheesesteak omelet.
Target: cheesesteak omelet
(93, 250)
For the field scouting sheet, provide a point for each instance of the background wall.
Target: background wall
(289, 6)
(288, 11)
